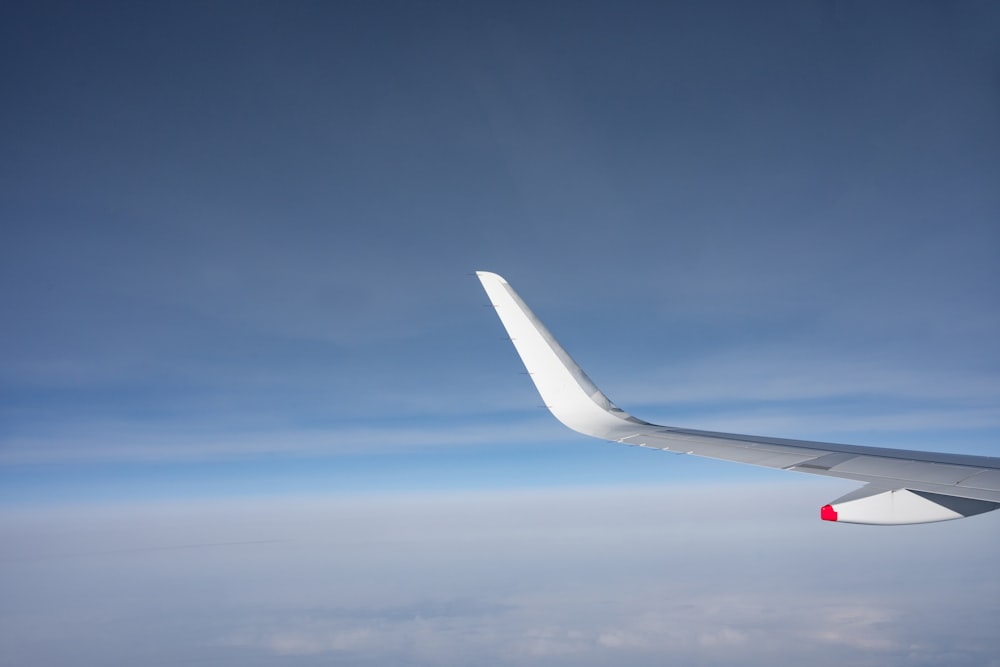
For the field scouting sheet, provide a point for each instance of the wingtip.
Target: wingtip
(489, 275)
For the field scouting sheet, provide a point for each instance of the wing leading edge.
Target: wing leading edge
(902, 486)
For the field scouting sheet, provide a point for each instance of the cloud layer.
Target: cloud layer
(703, 575)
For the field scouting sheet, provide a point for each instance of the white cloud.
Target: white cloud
(637, 576)
(763, 373)
(130, 442)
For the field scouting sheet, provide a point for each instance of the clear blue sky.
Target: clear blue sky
(237, 241)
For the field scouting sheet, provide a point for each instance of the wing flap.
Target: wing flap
(984, 479)
(919, 471)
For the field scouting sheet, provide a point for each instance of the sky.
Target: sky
(246, 371)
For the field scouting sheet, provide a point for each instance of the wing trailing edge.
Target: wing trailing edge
(902, 486)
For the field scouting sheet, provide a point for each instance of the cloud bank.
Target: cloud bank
(701, 575)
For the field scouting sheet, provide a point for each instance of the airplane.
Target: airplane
(901, 486)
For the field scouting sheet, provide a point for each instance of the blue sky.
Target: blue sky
(238, 238)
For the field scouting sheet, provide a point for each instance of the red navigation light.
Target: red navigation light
(827, 513)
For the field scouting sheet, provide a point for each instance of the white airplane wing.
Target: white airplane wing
(902, 486)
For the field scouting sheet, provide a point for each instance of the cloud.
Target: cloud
(762, 375)
(134, 443)
(637, 576)
(859, 627)
(763, 392)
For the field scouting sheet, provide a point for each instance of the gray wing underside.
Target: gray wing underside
(974, 477)
(574, 399)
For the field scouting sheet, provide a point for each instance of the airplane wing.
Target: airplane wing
(901, 486)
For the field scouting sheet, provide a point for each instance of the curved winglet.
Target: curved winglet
(567, 391)
(904, 486)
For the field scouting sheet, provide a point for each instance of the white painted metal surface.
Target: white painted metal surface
(906, 486)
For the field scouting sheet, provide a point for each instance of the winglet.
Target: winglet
(566, 390)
